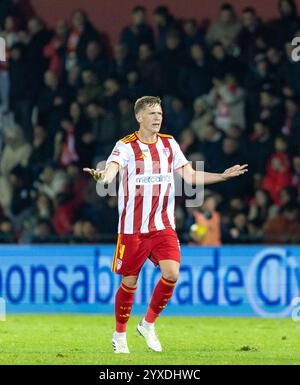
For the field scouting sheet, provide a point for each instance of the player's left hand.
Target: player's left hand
(98, 175)
(234, 171)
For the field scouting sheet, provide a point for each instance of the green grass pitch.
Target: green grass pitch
(86, 339)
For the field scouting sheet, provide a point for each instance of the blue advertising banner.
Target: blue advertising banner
(227, 281)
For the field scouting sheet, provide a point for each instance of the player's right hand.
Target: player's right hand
(96, 174)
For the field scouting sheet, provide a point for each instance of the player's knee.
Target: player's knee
(171, 275)
(130, 281)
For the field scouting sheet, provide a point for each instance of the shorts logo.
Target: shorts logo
(116, 152)
(119, 264)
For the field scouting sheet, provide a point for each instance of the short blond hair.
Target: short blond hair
(146, 101)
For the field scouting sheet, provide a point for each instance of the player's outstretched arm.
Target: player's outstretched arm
(105, 176)
(192, 176)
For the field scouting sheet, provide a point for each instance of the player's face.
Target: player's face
(150, 118)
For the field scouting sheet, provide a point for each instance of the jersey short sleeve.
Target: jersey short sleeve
(119, 154)
(179, 159)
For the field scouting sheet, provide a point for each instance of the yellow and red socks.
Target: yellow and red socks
(123, 305)
(161, 296)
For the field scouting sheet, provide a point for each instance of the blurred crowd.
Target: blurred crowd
(230, 91)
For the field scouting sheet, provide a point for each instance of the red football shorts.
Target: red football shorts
(133, 250)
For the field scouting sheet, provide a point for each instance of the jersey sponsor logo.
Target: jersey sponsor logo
(153, 179)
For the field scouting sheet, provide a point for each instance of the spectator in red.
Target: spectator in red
(55, 49)
(278, 171)
(65, 144)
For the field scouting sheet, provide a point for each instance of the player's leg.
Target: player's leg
(166, 253)
(131, 253)
(123, 304)
(163, 290)
(124, 301)
(160, 298)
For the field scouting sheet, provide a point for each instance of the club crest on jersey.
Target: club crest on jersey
(166, 152)
(119, 264)
(141, 155)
